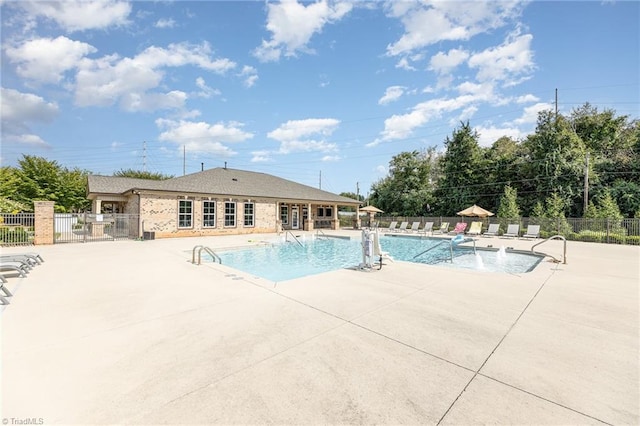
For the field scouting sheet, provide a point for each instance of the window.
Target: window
(208, 214)
(284, 214)
(320, 211)
(185, 213)
(328, 212)
(248, 214)
(229, 213)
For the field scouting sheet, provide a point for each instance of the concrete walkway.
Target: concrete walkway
(131, 332)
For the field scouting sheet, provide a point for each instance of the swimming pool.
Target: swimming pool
(288, 260)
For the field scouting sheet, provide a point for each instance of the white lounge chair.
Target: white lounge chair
(444, 228)
(513, 231)
(392, 226)
(533, 231)
(7, 293)
(427, 228)
(475, 228)
(493, 231)
(402, 227)
(414, 227)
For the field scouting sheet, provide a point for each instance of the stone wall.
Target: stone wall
(43, 229)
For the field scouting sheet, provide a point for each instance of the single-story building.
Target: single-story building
(217, 202)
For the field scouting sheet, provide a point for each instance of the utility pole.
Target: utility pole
(358, 191)
(320, 181)
(586, 184)
(184, 160)
(144, 156)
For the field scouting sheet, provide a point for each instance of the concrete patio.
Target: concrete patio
(131, 332)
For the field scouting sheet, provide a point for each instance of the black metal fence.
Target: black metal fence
(610, 231)
(16, 229)
(89, 227)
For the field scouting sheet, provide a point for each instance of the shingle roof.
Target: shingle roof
(219, 181)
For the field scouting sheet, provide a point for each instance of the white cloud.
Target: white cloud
(250, 75)
(165, 23)
(427, 23)
(292, 25)
(107, 80)
(132, 102)
(19, 111)
(206, 91)
(45, 60)
(203, 137)
(393, 93)
(381, 170)
(511, 59)
(403, 125)
(297, 135)
(404, 64)
(261, 157)
(524, 99)
(331, 158)
(530, 113)
(488, 135)
(445, 62)
(80, 15)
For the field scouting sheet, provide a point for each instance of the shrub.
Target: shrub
(10, 235)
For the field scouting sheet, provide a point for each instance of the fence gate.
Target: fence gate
(89, 227)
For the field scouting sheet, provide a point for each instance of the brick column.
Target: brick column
(43, 226)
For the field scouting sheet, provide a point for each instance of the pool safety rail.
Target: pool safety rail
(199, 249)
(458, 239)
(286, 238)
(555, 237)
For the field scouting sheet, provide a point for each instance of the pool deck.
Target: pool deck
(131, 332)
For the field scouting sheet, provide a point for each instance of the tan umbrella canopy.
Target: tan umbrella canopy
(475, 211)
(371, 209)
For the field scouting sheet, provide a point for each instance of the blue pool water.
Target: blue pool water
(289, 260)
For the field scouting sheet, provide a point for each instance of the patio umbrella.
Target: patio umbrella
(371, 210)
(475, 211)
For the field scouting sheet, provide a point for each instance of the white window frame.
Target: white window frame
(284, 214)
(228, 216)
(208, 213)
(185, 215)
(251, 215)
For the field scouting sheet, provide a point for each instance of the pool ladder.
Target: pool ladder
(286, 238)
(199, 249)
(555, 237)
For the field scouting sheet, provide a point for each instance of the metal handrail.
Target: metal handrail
(206, 249)
(465, 240)
(555, 237)
(429, 249)
(319, 232)
(294, 237)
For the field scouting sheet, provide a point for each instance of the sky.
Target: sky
(323, 93)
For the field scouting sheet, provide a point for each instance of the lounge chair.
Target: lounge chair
(444, 227)
(428, 227)
(7, 293)
(402, 227)
(512, 231)
(475, 228)
(493, 231)
(459, 228)
(13, 267)
(533, 231)
(392, 226)
(414, 227)
(30, 261)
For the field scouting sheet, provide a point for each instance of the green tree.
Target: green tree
(9, 180)
(504, 162)
(509, 204)
(42, 179)
(462, 171)
(141, 174)
(408, 189)
(350, 195)
(556, 163)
